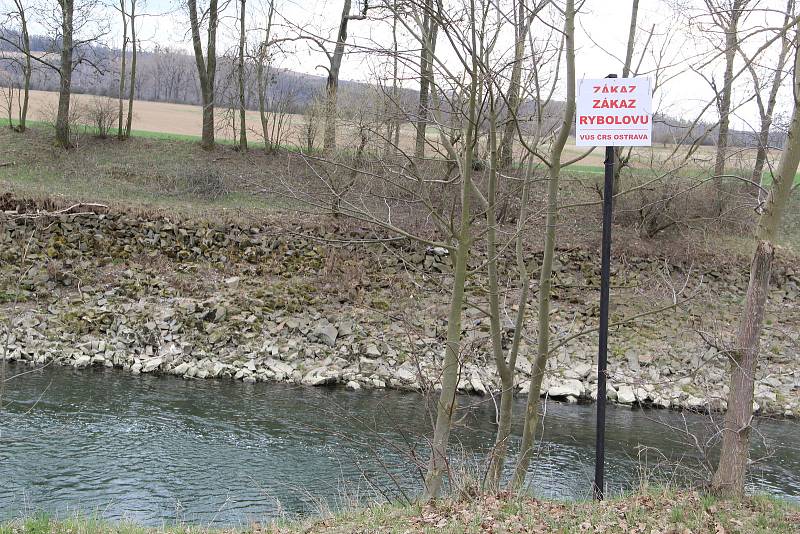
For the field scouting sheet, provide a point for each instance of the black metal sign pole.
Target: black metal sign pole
(602, 358)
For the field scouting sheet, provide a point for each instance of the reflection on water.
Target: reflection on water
(155, 449)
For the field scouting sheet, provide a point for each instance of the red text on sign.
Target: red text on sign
(614, 104)
(614, 89)
(613, 120)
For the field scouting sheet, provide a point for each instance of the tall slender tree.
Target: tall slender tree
(132, 84)
(428, 31)
(523, 18)
(533, 410)
(335, 64)
(206, 64)
(262, 74)
(727, 15)
(732, 467)
(65, 73)
(241, 73)
(122, 69)
(766, 109)
(21, 42)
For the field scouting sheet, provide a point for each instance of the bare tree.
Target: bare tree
(335, 63)
(263, 69)
(766, 109)
(79, 25)
(523, 17)
(122, 69)
(727, 16)
(428, 30)
(732, 467)
(132, 84)
(206, 64)
(532, 412)
(241, 75)
(65, 71)
(23, 44)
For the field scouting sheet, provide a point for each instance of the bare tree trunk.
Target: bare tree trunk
(626, 71)
(447, 404)
(27, 69)
(732, 468)
(393, 120)
(65, 72)
(626, 68)
(507, 369)
(522, 25)
(532, 411)
(332, 85)
(428, 32)
(242, 102)
(206, 67)
(122, 70)
(731, 44)
(131, 90)
(263, 53)
(767, 112)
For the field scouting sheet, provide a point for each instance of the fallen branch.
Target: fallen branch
(64, 211)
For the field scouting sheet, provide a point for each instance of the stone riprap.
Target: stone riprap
(268, 303)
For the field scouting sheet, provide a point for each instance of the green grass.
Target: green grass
(143, 172)
(600, 170)
(144, 134)
(653, 510)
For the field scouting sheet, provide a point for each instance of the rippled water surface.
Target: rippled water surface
(156, 449)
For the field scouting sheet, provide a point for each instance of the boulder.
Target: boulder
(151, 364)
(523, 365)
(625, 394)
(82, 361)
(367, 365)
(215, 314)
(318, 377)
(406, 375)
(477, 384)
(278, 367)
(578, 371)
(568, 388)
(326, 333)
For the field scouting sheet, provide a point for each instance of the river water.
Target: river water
(161, 449)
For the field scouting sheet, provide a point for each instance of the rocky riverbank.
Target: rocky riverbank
(268, 303)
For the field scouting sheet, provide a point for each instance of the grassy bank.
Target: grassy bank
(650, 512)
(170, 174)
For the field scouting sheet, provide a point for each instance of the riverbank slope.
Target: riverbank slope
(271, 301)
(197, 266)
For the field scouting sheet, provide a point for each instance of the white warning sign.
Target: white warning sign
(614, 112)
